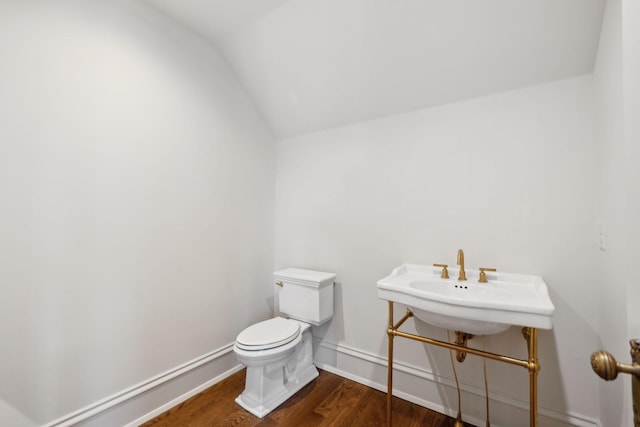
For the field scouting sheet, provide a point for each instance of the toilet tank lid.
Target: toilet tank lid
(304, 277)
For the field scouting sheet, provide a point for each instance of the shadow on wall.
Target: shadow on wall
(336, 324)
(10, 416)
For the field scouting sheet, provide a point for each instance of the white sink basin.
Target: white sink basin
(477, 308)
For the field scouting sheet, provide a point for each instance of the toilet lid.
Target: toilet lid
(268, 334)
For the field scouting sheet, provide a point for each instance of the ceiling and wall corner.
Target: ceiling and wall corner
(311, 65)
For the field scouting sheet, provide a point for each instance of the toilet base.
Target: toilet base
(260, 408)
(268, 385)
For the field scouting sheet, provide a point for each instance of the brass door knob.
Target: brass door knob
(607, 367)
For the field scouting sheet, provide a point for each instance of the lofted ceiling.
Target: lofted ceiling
(315, 64)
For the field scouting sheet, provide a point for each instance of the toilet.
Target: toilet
(278, 352)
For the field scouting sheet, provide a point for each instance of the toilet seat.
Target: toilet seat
(268, 334)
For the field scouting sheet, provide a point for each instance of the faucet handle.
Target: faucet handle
(483, 276)
(445, 272)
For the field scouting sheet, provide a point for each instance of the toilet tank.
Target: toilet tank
(305, 295)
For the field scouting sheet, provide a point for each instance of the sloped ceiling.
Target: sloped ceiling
(316, 64)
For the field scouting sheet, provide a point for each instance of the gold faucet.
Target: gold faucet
(462, 275)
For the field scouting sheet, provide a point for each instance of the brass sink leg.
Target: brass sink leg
(458, 422)
(461, 340)
(390, 365)
(392, 331)
(531, 336)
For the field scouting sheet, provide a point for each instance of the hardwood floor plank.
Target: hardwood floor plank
(341, 403)
(328, 401)
(372, 408)
(300, 408)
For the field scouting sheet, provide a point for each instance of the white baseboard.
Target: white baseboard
(348, 362)
(129, 404)
(149, 416)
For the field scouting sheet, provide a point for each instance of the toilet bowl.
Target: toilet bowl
(278, 352)
(279, 369)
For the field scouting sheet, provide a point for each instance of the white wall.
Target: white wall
(617, 87)
(509, 178)
(631, 75)
(136, 181)
(137, 184)
(612, 207)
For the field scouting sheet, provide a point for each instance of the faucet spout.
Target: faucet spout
(462, 275)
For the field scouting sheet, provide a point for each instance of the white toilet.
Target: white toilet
(278, 352)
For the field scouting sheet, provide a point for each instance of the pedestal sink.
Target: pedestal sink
(477, 308)
(469, 307)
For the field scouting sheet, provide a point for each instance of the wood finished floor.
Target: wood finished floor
(330, 401)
